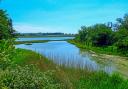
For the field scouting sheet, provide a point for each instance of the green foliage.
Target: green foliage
(121, 34)
(6, 40)
(14, 76)
(82, 34)
(28, 77)
(30, 42)
(98, 35)
(124, 22)
(6, 53)
(102, 36)
(6, 29)
(122, 46)
(102, 80)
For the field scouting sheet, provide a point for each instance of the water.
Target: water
(44, 38)
(66, 54)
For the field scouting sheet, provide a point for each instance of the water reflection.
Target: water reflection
(65, 54)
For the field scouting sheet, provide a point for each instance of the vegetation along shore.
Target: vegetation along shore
(26, 69)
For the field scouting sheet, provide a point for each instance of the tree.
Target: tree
(102, 35)
(82, 34)
(6, 42)
(98, 35)
(123, 22)
(122, 45)
(6, 28)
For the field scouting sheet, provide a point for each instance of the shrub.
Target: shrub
(122, 45)
(7, 52)
(101, 35)
(28, 77)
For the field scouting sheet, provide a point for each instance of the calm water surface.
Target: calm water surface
(44, 38)
(66, 54)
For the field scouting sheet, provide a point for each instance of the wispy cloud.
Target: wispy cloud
(30, 28)
(62, 15)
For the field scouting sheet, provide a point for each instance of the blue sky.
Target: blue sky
(62, 15)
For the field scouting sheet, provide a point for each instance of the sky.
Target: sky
(33, 16)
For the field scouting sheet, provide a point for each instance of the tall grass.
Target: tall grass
(100, 80)
(78, 78)
(70, 60)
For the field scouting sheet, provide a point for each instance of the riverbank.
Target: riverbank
(69, 77)
(110, 50)
(30, 42)
(104, 55)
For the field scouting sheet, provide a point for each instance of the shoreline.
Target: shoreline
(121, 62)
(97, 50)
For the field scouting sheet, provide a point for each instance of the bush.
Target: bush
(122, 45)
(7, 52)
(101, 35)
(28, 77)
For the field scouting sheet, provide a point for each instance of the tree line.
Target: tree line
(43, 34)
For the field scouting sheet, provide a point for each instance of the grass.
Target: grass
(71, 78)
(110, 50)
(30, 42)
(101, 80)
(28, 57)
(24, 57)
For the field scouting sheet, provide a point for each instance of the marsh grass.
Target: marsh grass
(77, 62)
(100, 80)
(70, 77)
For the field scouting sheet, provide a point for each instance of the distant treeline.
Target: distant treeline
(44, 34)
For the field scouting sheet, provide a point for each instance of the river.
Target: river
(44, 38)
(66, 54)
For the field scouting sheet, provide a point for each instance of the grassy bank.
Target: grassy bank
(110, 50)
(30, 42)
(70, 78)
